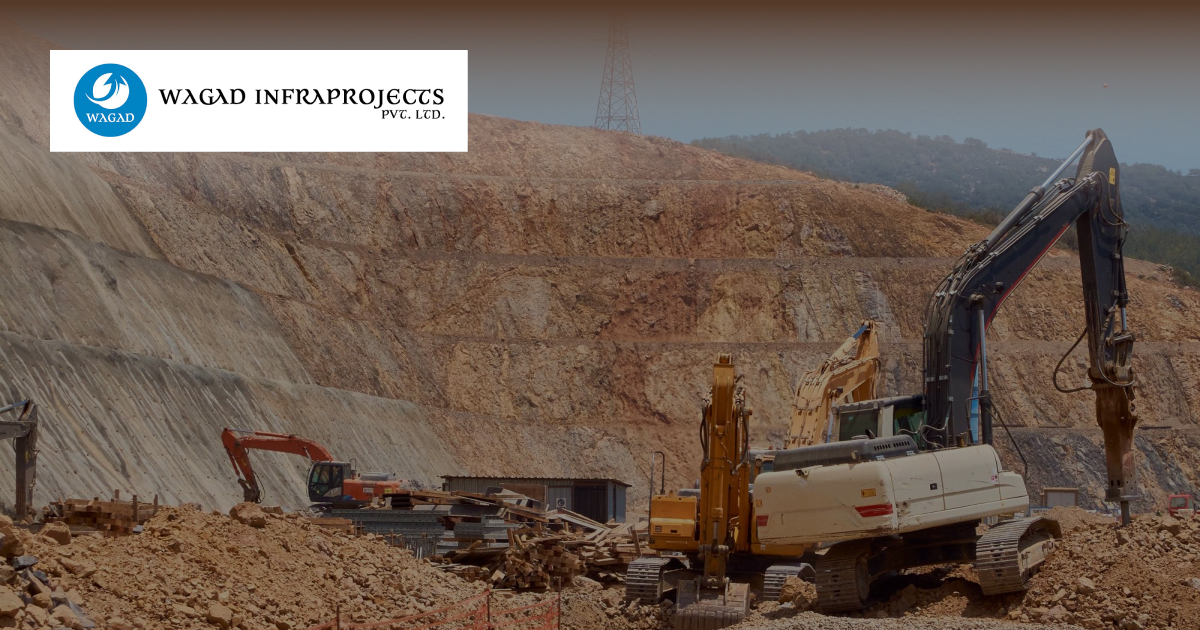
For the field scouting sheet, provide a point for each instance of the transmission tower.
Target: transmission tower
(617, 107)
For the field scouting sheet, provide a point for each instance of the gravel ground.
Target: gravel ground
(783, 619)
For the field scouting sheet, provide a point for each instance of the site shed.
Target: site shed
(601, 500)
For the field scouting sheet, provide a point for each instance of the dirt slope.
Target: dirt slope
(548, 303)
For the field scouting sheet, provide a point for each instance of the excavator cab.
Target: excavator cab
(339, 485)
(883, 417)
(1181, 506)
(326, 481)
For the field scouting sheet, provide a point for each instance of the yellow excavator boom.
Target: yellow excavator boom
(849, 374)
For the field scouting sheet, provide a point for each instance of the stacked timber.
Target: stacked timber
(535, 560)
(468, 536)
(111, 517)
(608, 552)
(545, 557)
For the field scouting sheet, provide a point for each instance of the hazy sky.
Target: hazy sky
(1025, 76)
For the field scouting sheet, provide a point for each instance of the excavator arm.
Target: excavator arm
(849, 374)
(962, 308)
(24, 433)
(238, 444)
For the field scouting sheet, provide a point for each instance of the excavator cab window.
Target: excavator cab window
(325, 481)
(908, 420)
(1179, 502)
(858, 423)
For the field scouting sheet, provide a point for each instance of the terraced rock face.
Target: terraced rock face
(549, 303)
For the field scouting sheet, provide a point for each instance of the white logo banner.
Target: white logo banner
(258, 100)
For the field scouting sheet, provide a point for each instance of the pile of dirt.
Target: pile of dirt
(257, 571)
(587, 604)
(1141, 577)
(783, 619)
(1138, 577)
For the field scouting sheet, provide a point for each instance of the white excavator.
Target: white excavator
(916, 497)
(912, 489)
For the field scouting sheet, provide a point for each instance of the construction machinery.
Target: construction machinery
(708, 535)
(712, 528)
(24, 433)
(849, 374)
(1181, 506)
(916, 497)
(331, 484)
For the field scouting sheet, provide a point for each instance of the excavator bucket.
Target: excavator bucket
(708, 609)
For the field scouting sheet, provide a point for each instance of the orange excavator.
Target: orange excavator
(330, 483)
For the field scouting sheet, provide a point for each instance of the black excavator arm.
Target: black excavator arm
(962, 307)
(23, 431)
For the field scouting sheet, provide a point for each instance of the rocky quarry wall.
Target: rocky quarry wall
(549, 303)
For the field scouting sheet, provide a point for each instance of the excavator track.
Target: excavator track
(777, 575)
(705, 609)
(1010, 553)
(841, 578)
(644, 579)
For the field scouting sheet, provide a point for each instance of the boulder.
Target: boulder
(249, 514)
(23, 562)
(63, 615)
(10, 543)
(1058, 614)
(1085, 586)
(79, 568)
(39, 615)
(56, 532)
(220, 615)
(10, 603)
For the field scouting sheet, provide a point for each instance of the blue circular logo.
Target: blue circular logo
(110, 100)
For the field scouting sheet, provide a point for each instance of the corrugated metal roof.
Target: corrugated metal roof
(546, 478)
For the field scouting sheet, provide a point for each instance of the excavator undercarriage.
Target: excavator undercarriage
(1005, 557)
